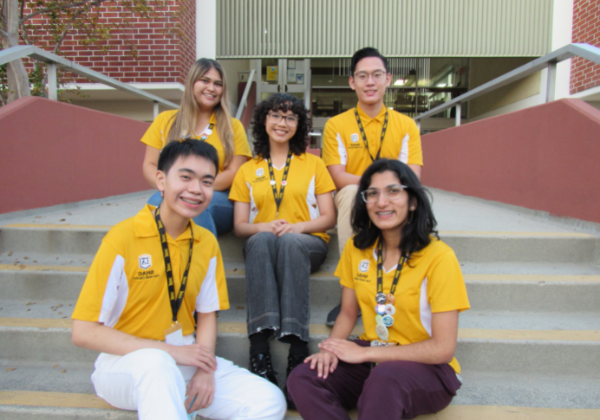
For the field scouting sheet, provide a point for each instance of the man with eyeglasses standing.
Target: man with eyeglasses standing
(356, 138)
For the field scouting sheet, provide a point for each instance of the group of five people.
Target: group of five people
(150, 299)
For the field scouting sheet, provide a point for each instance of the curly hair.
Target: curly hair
(416, 235)
(280, 102)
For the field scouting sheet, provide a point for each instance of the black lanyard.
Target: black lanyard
(401, 261)
(279, 196)
(175, 303)
(364, 136)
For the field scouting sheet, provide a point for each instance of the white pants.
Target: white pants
(150, 382)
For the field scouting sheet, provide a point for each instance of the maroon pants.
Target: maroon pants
(391, 390)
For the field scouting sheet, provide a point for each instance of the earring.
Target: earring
(410, 218)
(162, 194)
(369, 223)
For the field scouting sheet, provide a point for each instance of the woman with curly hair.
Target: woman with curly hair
(204, 115)
(283, 204)
(410, 289)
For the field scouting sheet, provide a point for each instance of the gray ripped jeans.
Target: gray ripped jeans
(278, 279)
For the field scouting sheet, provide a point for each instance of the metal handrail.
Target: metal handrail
(244, 100)
(53, 61)
(589, 52)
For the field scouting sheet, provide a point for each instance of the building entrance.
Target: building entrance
(283, 75)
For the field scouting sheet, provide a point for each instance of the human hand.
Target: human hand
(195, 355)
(344, 350)
(272, 226)
(200, 391)
(324, 361)
(290, 228)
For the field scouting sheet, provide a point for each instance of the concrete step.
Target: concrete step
(569, 352)
(81, 242)
(51, 285)
(479, 388)
(24, 405)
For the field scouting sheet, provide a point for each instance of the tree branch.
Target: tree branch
(70, 6)
(68, 27)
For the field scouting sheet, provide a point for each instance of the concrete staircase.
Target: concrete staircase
(529, 347)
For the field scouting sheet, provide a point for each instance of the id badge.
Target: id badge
(174, 335)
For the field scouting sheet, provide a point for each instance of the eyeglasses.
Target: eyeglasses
(363, 76)
(290, 120)
(392, 192)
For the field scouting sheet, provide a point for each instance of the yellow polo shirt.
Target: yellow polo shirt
(431, 282)
(157, 133)
(307, 178)
(126, 286)
(344, 145)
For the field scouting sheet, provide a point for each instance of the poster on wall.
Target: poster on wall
(300, 78)
(291, 76)
(272, 73)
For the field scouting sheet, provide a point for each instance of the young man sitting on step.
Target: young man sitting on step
(356, 138)
(152, 273)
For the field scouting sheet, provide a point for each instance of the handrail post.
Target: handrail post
(155, 109)
(242, 105)
(457, 116)
(52, 89)
(551, 81)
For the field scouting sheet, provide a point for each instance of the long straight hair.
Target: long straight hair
(187, 117)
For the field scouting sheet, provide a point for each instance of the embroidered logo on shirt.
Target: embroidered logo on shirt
(354, 137)
(363, 267)
(145, 261)
(260, 172)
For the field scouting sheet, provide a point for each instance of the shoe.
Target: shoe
(260, 365)
(333, 314)
(293, 361)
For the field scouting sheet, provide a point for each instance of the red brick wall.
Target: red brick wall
(165, 47)
(586, 29)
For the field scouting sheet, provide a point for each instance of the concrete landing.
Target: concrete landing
(453, 212)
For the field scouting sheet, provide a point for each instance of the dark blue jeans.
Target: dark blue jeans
(278, 279)
(218, 217)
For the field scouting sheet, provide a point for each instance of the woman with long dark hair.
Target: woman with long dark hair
(410, 289)
(284, 206)
(204, 115)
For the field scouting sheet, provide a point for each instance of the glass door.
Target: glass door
(283, 75)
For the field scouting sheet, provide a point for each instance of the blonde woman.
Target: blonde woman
(204, 115)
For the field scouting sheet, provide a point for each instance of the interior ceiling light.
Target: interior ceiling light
(400, 82)
(441, 85)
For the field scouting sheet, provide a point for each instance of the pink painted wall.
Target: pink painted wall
(544, 158)
(54, 153)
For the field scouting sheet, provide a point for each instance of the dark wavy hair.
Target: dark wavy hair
(416, 235)
(280, 102)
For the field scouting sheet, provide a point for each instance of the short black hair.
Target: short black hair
(364, 53)
(280, 102)
(416, 235)
(189, 147)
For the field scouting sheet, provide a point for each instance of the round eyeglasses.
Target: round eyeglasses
(392, 192)
(290, 120)
(363, 76)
